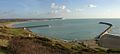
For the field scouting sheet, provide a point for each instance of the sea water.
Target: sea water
(72, 29)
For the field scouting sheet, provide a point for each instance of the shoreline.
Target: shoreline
(11, 24)
(89, 43)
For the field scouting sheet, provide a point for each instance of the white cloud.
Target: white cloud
(79, 9)
(63, 7)
(68, 10)
(92, 6)
(59, 10)
(54, 6)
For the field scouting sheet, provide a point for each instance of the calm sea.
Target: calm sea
(72, 29)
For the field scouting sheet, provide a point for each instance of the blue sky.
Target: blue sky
(60, 8)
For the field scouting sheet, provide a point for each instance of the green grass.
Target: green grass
(3, 51)
(14, 32)
(18, 32)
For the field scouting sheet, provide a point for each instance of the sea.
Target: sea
(72, 29)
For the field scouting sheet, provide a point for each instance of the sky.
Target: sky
(68, 9)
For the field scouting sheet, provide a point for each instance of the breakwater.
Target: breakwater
(34, 26)
(105, 31)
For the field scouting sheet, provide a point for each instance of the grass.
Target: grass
(3, 42)
(113, 50)
(6, 33)
(18, 32)
(15, 32)
(22, 43)
(3, 51)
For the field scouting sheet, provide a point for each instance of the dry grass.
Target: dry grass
(35, 46)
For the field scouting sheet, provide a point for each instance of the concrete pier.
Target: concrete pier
(105, 31)
(33, 26)
(108, 40)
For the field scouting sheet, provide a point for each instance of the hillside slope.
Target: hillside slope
(19, 41)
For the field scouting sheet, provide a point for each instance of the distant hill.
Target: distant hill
(26, 19)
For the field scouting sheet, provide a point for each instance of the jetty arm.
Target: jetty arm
(34, 26)
(106, 30)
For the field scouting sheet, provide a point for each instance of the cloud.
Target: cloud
(79, 9)
(54, 11)
(68, 10)
(92, 6)
(63, 7)
(59, 10)
(54, 6)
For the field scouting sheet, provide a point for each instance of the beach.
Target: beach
(15, 40)
(11, 24)
(89, 43)
(105, 40)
